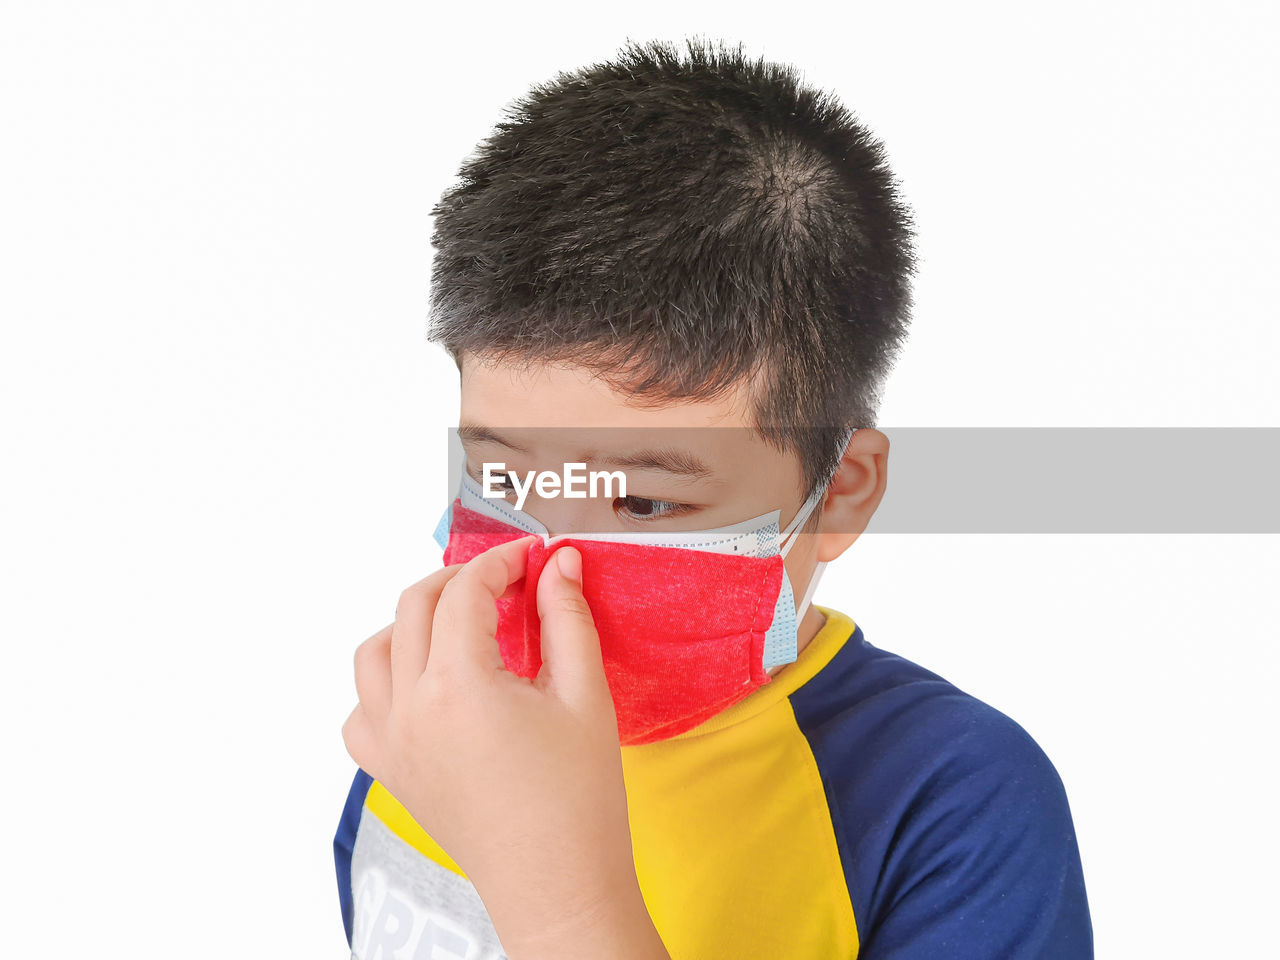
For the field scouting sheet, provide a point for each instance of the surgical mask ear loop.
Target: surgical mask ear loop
(815, 498)
(802, 515)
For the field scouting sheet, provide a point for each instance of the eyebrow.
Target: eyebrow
(678, 462)
(669, 460)
(478, 434)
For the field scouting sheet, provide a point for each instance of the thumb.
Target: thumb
(571, 662)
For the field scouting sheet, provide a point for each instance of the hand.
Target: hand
(520, 781)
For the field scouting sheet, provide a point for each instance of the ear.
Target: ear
(854, 492)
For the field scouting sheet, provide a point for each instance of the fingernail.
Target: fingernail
(569, 562)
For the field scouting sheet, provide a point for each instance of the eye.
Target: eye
(644, 509)
(501, 481)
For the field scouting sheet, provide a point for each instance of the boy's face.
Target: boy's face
(689, 465)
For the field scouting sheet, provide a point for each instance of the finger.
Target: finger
(411, 633)
(373, 675)
(466, 625)
(361, 741)
(572, 665)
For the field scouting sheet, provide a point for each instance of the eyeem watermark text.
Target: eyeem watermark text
(574, 484)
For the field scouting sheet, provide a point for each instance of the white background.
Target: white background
(222, 425)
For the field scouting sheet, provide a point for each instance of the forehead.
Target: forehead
(547, 394)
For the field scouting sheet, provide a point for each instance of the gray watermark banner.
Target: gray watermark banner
(1073, 480)
(1082, 480)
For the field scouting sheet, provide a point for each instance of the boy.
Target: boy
(631, 734)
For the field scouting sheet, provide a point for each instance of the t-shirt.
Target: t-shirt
(856, 805)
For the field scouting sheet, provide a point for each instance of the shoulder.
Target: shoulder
(943, 807)
(868, 703)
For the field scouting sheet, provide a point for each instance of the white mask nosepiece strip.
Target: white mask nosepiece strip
(757, 537)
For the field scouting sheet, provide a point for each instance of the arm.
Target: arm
(519, 781)
(619, 928)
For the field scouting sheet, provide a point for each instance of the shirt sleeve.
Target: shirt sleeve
(344, 841)
(974, 852)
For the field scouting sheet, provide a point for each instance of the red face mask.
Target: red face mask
(682, 631)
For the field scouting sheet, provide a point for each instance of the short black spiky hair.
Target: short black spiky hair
(678, 226)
